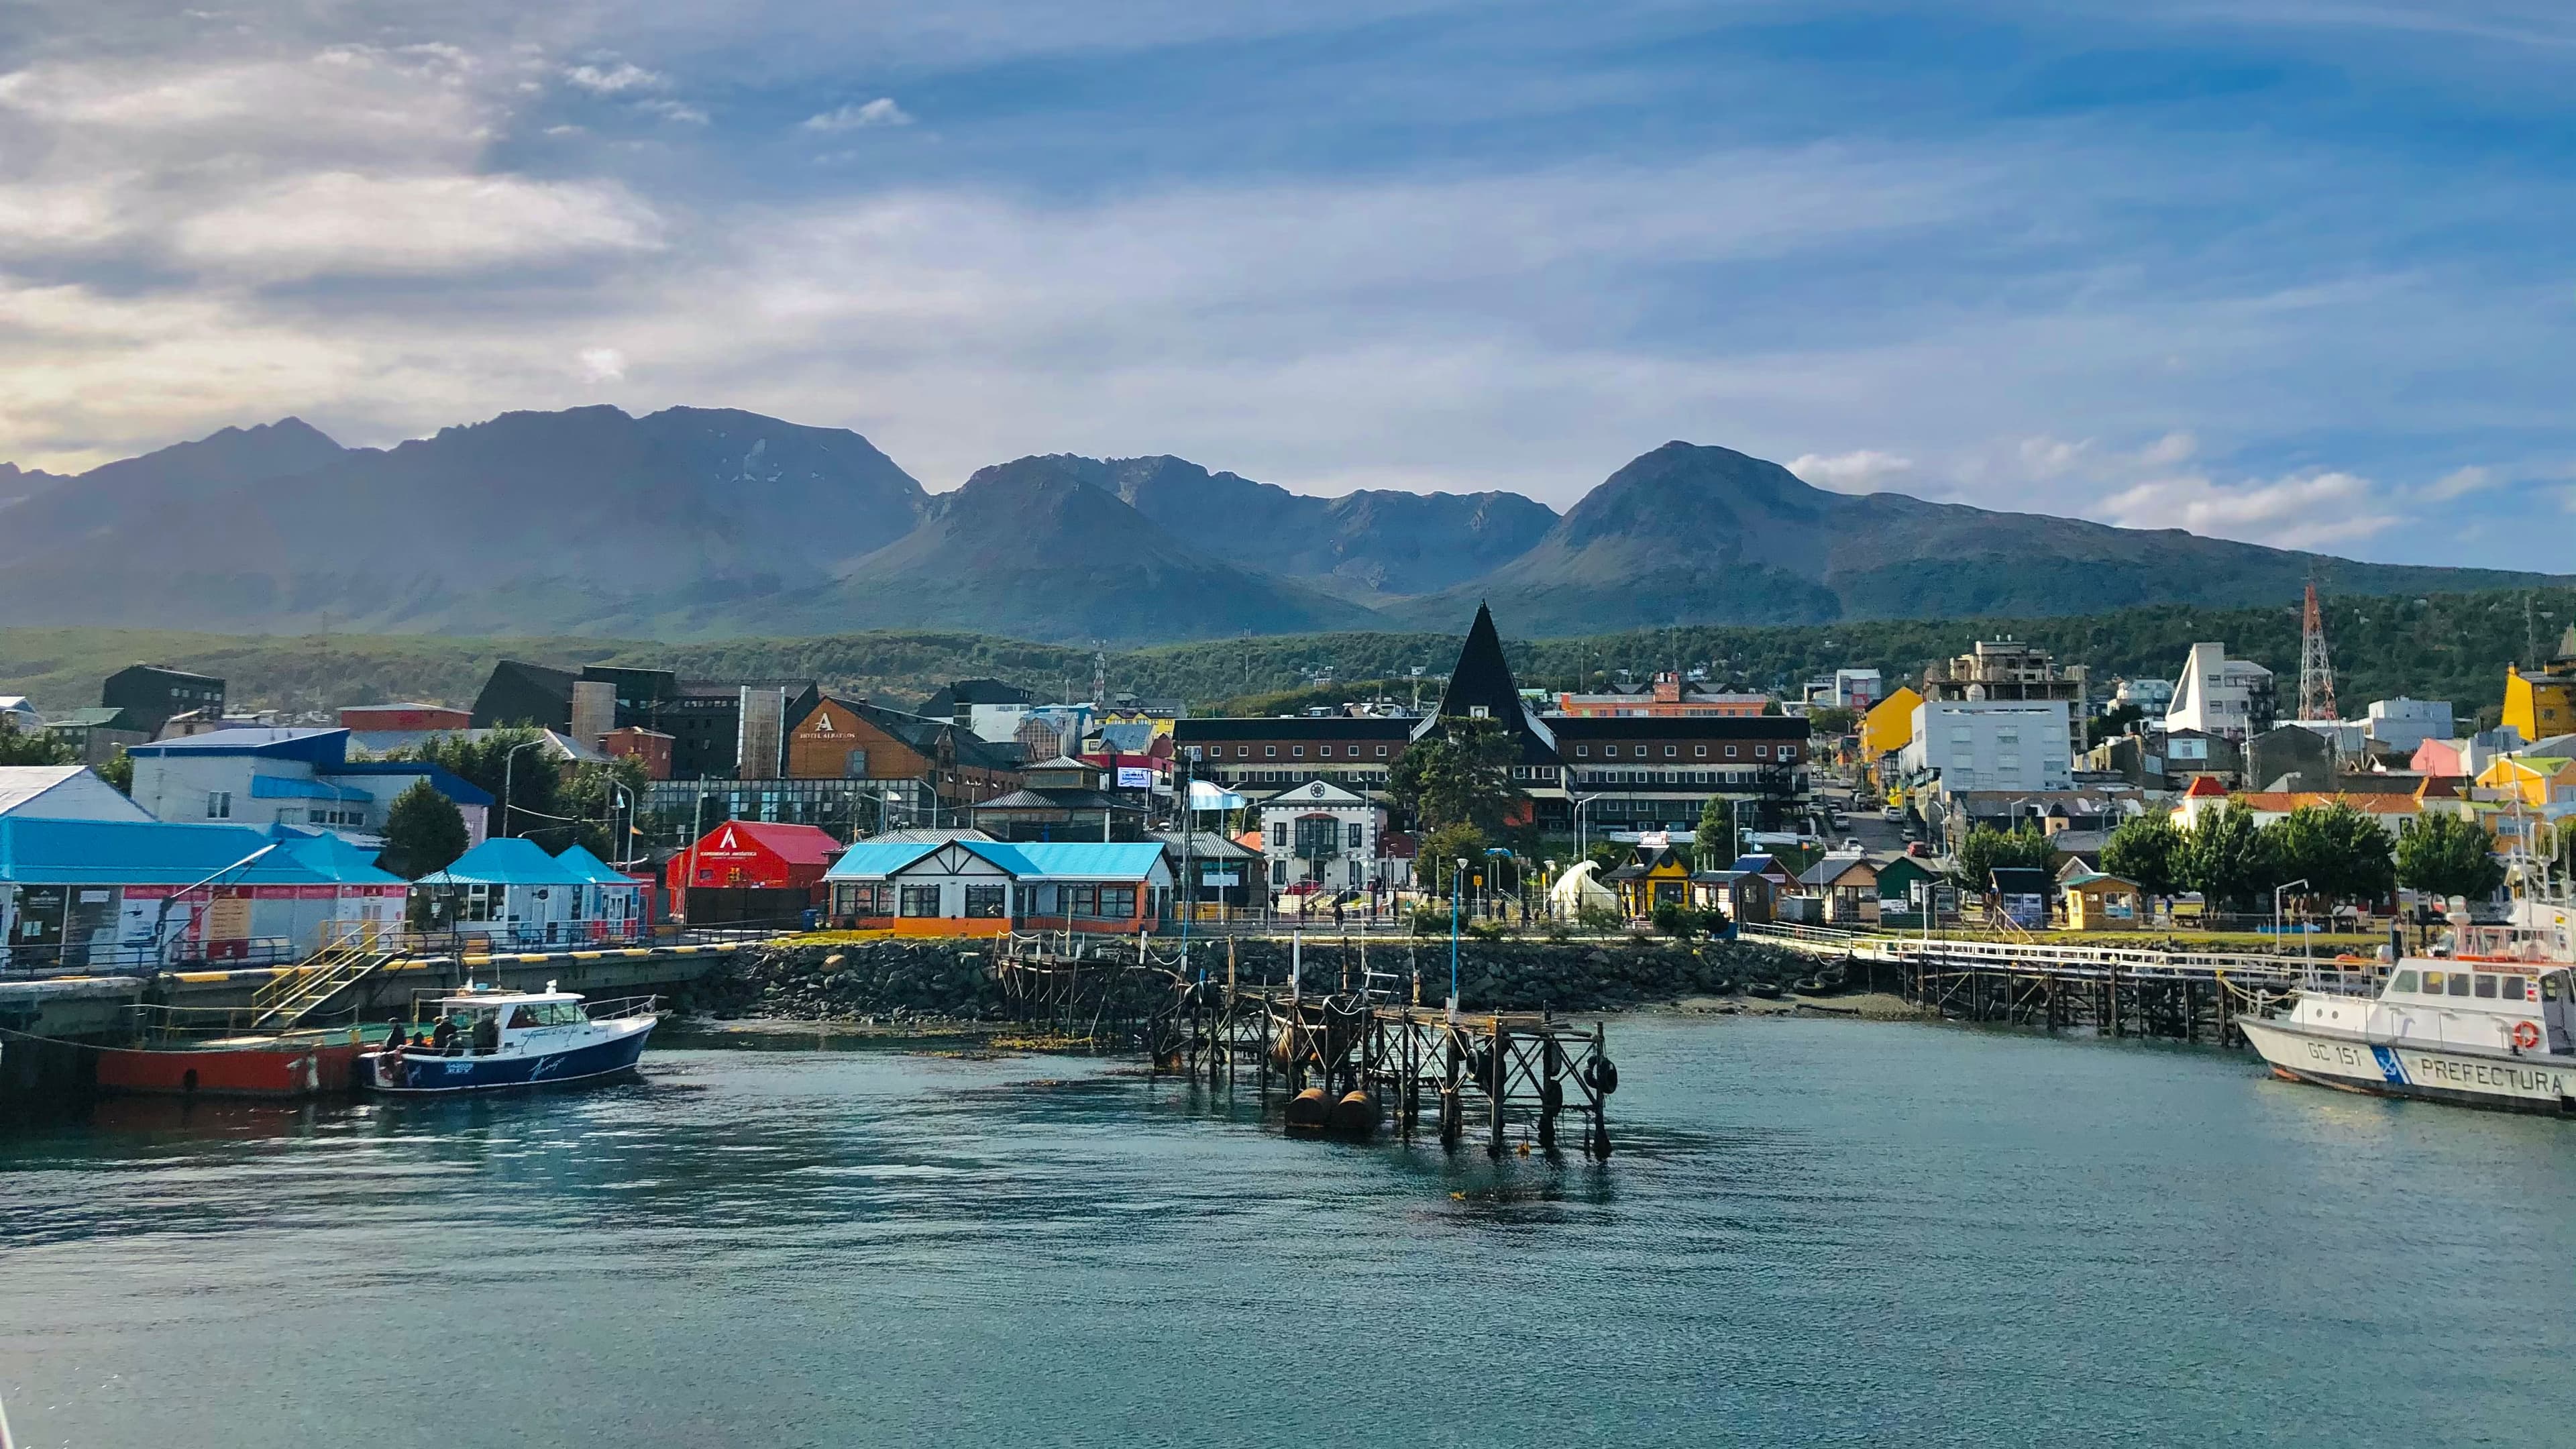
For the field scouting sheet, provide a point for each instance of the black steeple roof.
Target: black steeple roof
(1481, 685)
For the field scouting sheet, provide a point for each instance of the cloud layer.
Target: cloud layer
(2154, 274)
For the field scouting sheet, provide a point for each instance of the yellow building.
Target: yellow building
(2099, 902)
(2542, 702)
(1889, 725)
(2535, 780)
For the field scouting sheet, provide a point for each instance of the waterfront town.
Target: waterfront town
(1998, 790)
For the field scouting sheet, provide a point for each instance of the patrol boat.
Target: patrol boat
(2481, 1032)
(504, 1039)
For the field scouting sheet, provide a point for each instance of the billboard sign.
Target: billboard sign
(1132, 777)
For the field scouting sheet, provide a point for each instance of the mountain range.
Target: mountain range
(708, 523)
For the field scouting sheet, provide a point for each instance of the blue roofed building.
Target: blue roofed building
(972, 887)
(510, 891)
(283, 776)
(105, 895)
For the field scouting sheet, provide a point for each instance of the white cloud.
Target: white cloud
(615, 79)
(339, 222)
(676, 111)
(880, 112)
(602, 364)
(2460, 482)
(2303, 510)
(1866, 470)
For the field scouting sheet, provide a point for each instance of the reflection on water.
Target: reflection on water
(1814, 1233)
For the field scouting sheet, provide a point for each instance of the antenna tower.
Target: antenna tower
(1099, 675)
(2316, 674)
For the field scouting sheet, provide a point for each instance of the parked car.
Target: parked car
(1893, 812)
(1919, 849)
(1851, 843)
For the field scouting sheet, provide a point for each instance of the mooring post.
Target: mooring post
(1551, 1092)
(2111, 995)
(1498, 1041)
(1453, 1113)
(1600, 1144)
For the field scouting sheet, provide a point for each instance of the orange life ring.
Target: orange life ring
(2526, 1035)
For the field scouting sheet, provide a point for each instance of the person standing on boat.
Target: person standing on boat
(442, 1038)
(487, 1034)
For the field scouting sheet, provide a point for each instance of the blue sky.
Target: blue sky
(2289, 271)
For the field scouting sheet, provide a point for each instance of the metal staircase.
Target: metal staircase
(297, 993)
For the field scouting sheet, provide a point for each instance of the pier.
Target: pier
(1349, 1062)
(2110, 990)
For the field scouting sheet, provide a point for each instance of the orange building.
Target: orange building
(1669, 697)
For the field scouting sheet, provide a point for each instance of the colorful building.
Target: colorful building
(513, 893)
(1889, 725)
(751, 871)
(2535, 780)
(971, 887)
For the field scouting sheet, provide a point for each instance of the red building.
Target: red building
(405, 717)
(746, 871)
(635, 742)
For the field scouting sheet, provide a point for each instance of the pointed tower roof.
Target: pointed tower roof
(1481, 687)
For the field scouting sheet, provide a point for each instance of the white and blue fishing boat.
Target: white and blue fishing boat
(495, 1040)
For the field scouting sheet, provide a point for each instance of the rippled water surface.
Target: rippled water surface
(1814, 1233)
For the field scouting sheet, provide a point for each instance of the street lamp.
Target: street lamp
(2276, 914)
(509, 763)
(1455, 878)
(1579, 804)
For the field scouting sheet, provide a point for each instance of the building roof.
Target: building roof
(1334, 727)
(507, 860)
(312, 745)
(103, 716)
(795, 844)
(1831, 869)
(1481, 682)
(2095, 878)
(24, 790)
(973, 692)
(2204, 786)
(2020, 880)
(1202, 844)
(36, 851)
(1042, 799)
(1027, 860)
(442, 779)
(578, 859)
(2284, 801)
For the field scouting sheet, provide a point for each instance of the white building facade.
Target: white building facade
(2404, 724)
(1321, 834)
(1993, 744)
(2233, 698)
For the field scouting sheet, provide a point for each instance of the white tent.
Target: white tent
(1579, 887)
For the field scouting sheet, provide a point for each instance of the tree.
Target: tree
(119, 771)
(1461, 775)
(1986, 850)
(1713, 843)
(2226, 858)
(1443, 848)
(1833, 721)
(2448, 855)
(534, 783)
(2341, 853)
(38, 748)
(424, 832)
(598, 799)
(2146, 849)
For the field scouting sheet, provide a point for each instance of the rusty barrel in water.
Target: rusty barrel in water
(1309, 1109)
(1355, 1115)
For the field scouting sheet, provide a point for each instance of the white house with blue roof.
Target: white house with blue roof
(511, 891)
(970, 887)
(290, 777)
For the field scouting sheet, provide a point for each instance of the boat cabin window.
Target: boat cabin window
(2432, 983)
(2405, 981)
(2459, 984)
(523, 1016)
(2553, 987)
(2486, 986)
(562, 1013)
(2512, 987)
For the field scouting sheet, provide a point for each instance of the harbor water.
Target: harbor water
(1814, 1233)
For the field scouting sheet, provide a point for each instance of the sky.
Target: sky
(2290, 271)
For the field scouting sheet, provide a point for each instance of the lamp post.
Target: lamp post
(2276, 915)
(509, 763)
(1456, 876)
(1579, 804)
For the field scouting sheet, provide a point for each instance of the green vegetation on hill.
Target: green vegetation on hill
(2439, 646)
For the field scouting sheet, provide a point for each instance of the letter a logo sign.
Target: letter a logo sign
(727, 842)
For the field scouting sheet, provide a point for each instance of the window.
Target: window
(1243, 752)
(2432, 983)
(1730, 752)
(2513, 988)
(1761, 752)
(1270, 752)
(1355, 752)
(1117, 903)
(1381, 752)
(2405, 981)
(1359, 835)
(854, 766)
(219, 804)
(920, 900)
(1583, 752)
(1478, 711)
(1610, 752)
(2459, 983)
(986, 902)
(1699, 752)
(2486, 985)
(478, 903)
(1670, 751)
(1299, 751)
